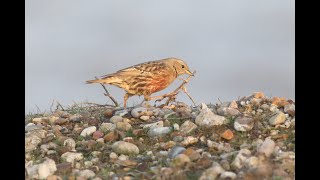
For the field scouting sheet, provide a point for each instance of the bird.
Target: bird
(145, 78)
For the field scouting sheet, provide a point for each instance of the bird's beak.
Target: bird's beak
(190, 73)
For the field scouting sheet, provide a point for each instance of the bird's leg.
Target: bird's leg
(171, 96)
(126, 96)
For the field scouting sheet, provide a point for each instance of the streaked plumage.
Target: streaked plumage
(146, 78)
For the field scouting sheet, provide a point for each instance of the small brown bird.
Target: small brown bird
(146, 78)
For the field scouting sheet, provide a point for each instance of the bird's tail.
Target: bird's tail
(94, 81)
(105, 80)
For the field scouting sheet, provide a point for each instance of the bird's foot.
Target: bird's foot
(171, 97)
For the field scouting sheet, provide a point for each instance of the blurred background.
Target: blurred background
(237, 47)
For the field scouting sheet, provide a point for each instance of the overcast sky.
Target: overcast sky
(237, 47)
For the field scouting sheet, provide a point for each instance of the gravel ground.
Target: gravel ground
(249, 138)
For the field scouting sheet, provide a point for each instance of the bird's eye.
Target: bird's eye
(182, 66)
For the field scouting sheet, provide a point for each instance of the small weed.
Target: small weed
(173, 118)
(58, 142)
(129, 133)
(105, 172)
(193, 175)
(277, 178)
(230, 120)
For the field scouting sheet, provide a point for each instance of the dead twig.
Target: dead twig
(38, 110)
(59, 105)
(95, 104)
(108, 94)
(51, 106)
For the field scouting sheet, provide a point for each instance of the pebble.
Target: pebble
(243, 123)
(228, 175)
(113, 155)
(53, 177)
(213, 172)
(265, 107)
(280, 102)
(267, 147)
(227, 134)
(32, 140)
(274, 132)
(75, 118)
(189, 140)
(239, 161)
(87, 174)
(188, 127)
(93, 122)
(228, 111)
(180, 160)
(43, 170)
(31, 127)
(259, 111)
(72, 156)
(138, 132)
(126, 148)
(167, 145)
(192, 154)
(251, 162)
(159, 131)
(70, 144)
(52, 119)
(256, 101)
(273, 108)
(137, 112)
(177, 138)
(88, 164)
(95, 153)
(207, 118)
(107, 127)
(61, 121)
(175, 151)
(278, 118)
(122, 113)
(220, 147)
(153, 125)
(108, 113)
(145, 118)
(38, 120)
(233, 105)
(123, 157)
(64, 167)
(97, 135)
(123, 126)
(115, 119)
(259, 95)
(88, 131)
(176, 127)
(225, 164)
(111, 136)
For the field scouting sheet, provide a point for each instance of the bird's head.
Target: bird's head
(181, 67)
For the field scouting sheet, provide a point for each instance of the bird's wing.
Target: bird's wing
(148, 68)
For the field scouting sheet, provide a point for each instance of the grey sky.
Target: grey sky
(237, 47)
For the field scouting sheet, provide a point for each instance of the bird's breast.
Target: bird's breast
(159, 83)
